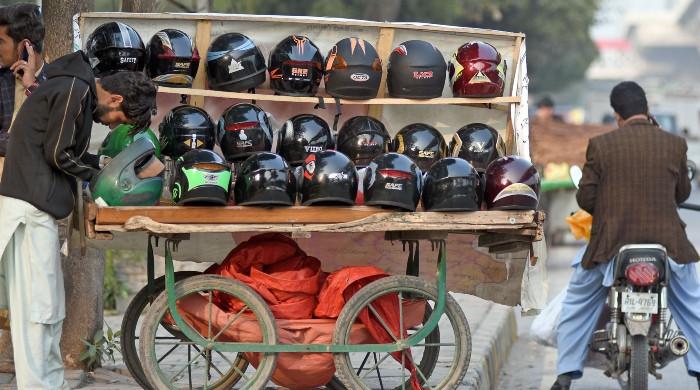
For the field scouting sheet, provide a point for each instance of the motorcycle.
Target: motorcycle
(638, 338)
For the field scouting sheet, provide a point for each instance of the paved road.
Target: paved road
(532, 366)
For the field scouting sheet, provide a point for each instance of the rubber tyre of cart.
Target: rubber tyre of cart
(428, 360)
(199, 285)
(415, 288)
(129, 329)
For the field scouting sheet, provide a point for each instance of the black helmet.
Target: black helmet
(296, 67)
(421, 142)
(452, 184)
(243, 129)
(265, 179)
(392, 180)
(363, 138)
(353, 70)
(329, 177)
(115, 47)
(476, 143)
(416, 70)
(301, 135)
(185, 128)
(234, 63)
(172, 58)
(202, 177)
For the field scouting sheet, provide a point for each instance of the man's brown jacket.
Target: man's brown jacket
(633, 180)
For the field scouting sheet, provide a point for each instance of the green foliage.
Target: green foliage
(103, 345)
(113, 287)
(558, 42)
(559, 46)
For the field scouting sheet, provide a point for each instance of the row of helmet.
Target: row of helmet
(245, 129)
(352, 68)
(326, 178)
(329, 177)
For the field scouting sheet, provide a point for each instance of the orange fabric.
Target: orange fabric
(276, 268)
(346, 282)
(386, 307)
(289, 281)
(295, 371)
(331, 299)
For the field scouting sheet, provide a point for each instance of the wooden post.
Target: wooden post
(516, 59)
(384, 46)
(510, 128)
(202, 40)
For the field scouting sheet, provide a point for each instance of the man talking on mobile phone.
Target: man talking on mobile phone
(21, 65)
(21, 71)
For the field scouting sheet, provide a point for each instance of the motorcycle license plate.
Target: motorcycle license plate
(633, 302)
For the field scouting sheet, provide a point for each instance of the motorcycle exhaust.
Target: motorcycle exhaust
(679, 345)
(676, 347)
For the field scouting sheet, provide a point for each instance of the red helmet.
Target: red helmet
(477, 70)
(512, 183)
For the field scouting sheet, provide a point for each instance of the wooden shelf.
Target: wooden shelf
(330, 100)
(174, 219)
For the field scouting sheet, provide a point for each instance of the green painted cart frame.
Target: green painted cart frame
(503, 229)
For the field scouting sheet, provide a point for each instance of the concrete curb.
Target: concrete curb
(492, 339)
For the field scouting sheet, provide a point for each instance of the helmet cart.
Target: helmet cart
(411, 312)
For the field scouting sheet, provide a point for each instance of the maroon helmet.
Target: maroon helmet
(477, 70)
(512, 183)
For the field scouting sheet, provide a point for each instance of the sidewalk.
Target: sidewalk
(493, 330)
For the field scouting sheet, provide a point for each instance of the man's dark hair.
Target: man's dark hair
(546, 102)
(24, 21)
(139, 94)
(628, 99)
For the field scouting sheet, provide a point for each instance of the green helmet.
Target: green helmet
(202, 177)
(119, 138)
(118, 183)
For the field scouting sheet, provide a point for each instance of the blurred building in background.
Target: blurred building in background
(653, 42)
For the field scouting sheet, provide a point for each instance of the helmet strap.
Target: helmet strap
(321, 104)
(338, 113)
(252, 90)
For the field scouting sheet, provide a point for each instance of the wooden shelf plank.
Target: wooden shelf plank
(304, 20)
(330, 100)
(234, 214)
(173, 219)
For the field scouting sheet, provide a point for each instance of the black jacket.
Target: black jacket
(50, 135)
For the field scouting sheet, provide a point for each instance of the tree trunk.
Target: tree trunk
(138, 5)
(58, 20)
(83, 274)
(83, 277)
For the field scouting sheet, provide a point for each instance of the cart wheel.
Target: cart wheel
(361, 370)
(164, 362)
(427, 362)
(130, 325)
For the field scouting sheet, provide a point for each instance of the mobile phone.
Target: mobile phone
(24, 56)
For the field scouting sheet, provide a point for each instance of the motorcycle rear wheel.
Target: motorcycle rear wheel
(639, 363)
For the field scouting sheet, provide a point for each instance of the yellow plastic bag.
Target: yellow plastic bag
(580, 224)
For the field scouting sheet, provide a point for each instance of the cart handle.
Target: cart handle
(689, 206)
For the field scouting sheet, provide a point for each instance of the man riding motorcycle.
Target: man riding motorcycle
(633, 180)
